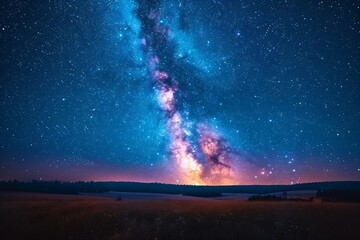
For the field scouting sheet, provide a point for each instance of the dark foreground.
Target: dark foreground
(46, 216)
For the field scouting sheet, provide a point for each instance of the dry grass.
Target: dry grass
(44, 216)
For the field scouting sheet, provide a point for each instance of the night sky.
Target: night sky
(175, 91)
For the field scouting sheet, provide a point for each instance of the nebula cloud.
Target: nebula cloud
(199, 154)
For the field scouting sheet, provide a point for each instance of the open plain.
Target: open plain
(55, 216)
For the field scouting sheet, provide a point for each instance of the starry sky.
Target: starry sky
(275, 84)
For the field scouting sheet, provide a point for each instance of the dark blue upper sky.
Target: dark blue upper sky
(279, 79)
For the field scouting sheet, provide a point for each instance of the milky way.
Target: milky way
(200, 154)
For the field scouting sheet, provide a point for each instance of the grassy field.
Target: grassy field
(45, 216)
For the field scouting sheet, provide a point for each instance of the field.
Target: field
(46, 216)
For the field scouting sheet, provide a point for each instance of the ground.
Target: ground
(47, 216)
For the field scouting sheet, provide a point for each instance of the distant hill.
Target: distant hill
(204, 191)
